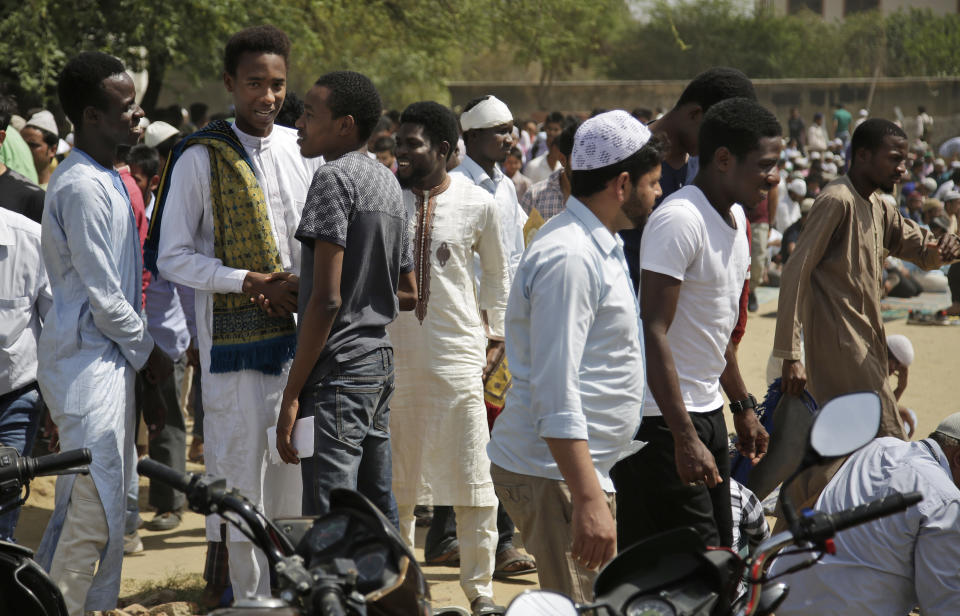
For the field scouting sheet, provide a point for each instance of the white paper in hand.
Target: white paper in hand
(302, 440)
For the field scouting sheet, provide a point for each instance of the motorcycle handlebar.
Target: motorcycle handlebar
(26, 468)
(879, 508)
(164, 474)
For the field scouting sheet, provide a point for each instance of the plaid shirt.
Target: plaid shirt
(546, 197)
(749, 524)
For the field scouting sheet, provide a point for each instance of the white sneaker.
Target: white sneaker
(132, 543)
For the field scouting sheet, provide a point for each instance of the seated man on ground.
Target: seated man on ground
(889, 565)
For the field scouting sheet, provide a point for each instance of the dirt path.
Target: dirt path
(931, 393)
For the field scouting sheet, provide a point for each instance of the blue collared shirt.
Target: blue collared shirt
(890, 565)
(574, 347)
(512, 217)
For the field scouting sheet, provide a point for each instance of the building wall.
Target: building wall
(837, 9)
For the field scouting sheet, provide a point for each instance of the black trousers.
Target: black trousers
(651, 498)
(169, 446)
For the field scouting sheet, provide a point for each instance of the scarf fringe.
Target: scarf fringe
(266, 356)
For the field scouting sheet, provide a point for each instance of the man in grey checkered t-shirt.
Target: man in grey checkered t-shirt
(355, 260)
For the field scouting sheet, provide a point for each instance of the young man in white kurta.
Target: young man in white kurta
(238, 406)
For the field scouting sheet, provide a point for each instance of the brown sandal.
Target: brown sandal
(512, 562)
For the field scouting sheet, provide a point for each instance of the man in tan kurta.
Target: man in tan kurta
(832, 283)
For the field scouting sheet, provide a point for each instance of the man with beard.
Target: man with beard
(440, 425)
(694, 258)
(831, 285)
(573, 340)
(94, 339)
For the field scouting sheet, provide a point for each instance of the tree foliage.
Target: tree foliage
(410, 48)
(678, 40)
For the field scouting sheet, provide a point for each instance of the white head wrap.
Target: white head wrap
(901, 348)
(606, 139)
(486, 114)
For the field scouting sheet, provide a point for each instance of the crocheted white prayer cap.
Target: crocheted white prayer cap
(486, 114)
(606, 139)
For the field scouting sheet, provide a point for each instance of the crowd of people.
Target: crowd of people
(528, 328)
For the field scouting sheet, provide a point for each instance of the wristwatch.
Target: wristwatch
(742, 405)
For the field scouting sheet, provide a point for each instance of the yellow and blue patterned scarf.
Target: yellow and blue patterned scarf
(244, 337)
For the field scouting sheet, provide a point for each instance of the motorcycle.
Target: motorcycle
(349, 562)
(24, 586)
(675, 574)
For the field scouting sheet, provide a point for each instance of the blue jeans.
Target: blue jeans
(19, 420)
(351, 409)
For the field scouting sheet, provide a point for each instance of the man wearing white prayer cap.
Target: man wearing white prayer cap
(694, 259)
(899, 357)
(788, 209)
(573, 326)
(42, 135)
(487, 126)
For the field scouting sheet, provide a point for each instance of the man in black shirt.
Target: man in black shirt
(17, 193)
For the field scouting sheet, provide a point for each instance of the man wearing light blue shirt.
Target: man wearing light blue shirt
(573, 343)
(890, 565)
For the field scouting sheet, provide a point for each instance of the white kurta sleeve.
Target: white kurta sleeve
(86, 218)
(496, 275)
(181, 257)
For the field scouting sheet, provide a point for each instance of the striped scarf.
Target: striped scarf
(244, 337)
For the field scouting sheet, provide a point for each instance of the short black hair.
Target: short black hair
(256, 39)
(291, 110)
(145, 157)
(385, 144)
(473, 102)
(737, 124)
(353, 94)
(516, 153)
(8, 107)
(198, 111)
(438, 122)
(716, 84)
(646, 159)
(564, 140)
(80, 84)
(870, 135)
(555, 117)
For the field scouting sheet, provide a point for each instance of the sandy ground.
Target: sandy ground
(931, 393)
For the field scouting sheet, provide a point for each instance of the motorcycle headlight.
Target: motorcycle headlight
(649, 606)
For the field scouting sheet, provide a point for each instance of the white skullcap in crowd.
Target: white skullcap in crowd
(864, 113)
(901, 348)
(44, 119)
(951, 195)
(929, 183)
(486, 114)
(17, 122)
(798, 187)
(815, 155)
(950, 426)
(607, 139)
(158, 132)
(806, 205)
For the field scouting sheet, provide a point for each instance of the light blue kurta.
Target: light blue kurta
(93, 342)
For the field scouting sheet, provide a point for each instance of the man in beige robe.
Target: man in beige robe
(832, 284)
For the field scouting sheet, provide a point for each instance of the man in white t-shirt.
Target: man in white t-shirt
(694, 258)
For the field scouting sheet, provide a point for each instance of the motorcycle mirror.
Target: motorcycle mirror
(541, 603)
(845, 424)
